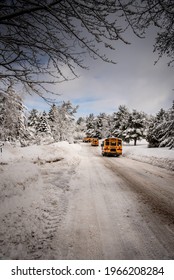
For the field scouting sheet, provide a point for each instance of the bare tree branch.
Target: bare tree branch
(39, 39)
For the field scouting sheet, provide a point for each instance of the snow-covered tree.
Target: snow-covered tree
(98, 126)
(102, 126)
(33, 118)
(43, 125)
(13, 124)
(167, 126)
(62, 121)
(80, 128)
(53, 117)
(119, 122)
(155, 131)
(128, 125)
(91, 125)
(136, 127)
(67, 121)
(33, 121)
(43, 129)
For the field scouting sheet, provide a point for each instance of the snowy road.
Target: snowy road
(64, 201)
(117, 209)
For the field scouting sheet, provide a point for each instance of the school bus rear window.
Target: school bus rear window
(113, 143)
(119, 143)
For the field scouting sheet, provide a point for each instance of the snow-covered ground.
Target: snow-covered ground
(162, 157)
(28, 196)
(34, 180)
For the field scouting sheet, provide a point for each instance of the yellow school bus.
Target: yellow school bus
(94, 142)
(112, 147)
(87, 139)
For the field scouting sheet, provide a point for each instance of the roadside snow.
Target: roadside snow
(33, 185)
(161, 157)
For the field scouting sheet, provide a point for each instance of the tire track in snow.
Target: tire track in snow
(150, 193)
(56, 189)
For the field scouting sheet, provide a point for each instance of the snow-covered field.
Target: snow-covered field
(34, 181)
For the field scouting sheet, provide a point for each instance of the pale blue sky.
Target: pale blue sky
(134, 81)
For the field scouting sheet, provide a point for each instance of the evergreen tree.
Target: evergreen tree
(33, 118)
(80, 120)
(114, 124)
(90, 126)
(53, 118)
(43, 125)
(13, 124)
(33, 121)
(120, 123)
(167, 126)
(102, 126)
(62, 121)
(43, 130)
(80, 128)
(67, 121)
(155, 131)
(136, 127)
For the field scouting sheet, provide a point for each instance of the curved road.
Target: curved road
(118, 208)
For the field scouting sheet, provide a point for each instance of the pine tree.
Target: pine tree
(33, 119)
(33, 122)
(67, 121)
(80, 128)
(13, 124)
(120, 123)
(53, 118)
(155, 131)
(43, 130)
(43, 125)
(91, 125)
(136, 127)
(114, 124)
(102, 126)
(167, 126)
(62, 121)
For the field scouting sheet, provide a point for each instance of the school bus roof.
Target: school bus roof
(113, 138)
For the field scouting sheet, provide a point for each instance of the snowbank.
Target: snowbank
(19, 167)
(162, 157)
(31, 186)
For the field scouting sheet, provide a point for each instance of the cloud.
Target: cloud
(134, 81)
